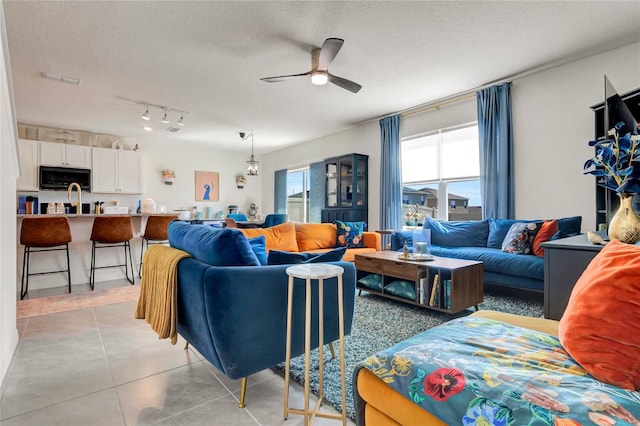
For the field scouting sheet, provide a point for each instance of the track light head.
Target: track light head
(242, 135)
(145, 116)
(180, 123)
(165, 120)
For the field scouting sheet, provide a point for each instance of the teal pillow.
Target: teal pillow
(401, 288)
(350, 234)
(277, 257)
(372, 281)
(259, 247)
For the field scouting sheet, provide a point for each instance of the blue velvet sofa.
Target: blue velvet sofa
(233, 309)
(482, 241)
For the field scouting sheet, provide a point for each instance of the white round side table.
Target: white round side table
(320, 272)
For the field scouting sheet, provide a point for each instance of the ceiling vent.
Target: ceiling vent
(173, 129)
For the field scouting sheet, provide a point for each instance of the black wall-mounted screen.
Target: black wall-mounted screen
(61, 177)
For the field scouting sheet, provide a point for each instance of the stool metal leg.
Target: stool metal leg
(25, 266)
(92, 273)
(341, 327)
(68, 266)
(288, 349)
(128, 246)
(141, 253)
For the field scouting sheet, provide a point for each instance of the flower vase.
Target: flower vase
(625, 224)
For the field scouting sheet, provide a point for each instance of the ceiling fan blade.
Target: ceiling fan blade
(284, 77)
(344, 83)
(328, 52)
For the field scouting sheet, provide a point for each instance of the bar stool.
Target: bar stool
(39, 235)
(155, 232)
(111, 231)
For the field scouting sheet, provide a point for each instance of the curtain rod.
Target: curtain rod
(469, 94)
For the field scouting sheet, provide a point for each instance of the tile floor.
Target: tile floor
(100, 366)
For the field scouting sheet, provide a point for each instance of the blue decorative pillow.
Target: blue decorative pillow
(401, 288)
(214, 246)
(458, 233)
(570, 226)
(372, 281)
(349, 234)
(519, 238)
(398, 238)
(277, 257)
(259, 247)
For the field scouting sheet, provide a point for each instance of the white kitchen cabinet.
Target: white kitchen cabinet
(115, 171)
(28, 180)
(65, 155)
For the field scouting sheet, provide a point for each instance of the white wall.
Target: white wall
(552, 124)
(8, 163)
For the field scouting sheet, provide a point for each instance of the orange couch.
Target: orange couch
(311, 237)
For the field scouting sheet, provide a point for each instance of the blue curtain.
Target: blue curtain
(496, 152)
(280, 191)
(390, 174)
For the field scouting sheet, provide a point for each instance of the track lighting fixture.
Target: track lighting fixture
(252, 163)
(165, 117)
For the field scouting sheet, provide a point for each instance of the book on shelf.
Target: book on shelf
(447, 294)
(433, 299)
(422, 291)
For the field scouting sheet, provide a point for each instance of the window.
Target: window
(441, 174)
(298, 194)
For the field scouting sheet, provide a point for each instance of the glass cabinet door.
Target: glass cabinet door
(360, 182)
(332, 185)
(346, 182)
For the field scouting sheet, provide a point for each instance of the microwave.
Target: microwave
(61, 177)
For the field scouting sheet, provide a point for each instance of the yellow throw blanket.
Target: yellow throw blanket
(159, 290)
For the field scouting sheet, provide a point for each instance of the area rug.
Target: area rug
(68, 302)
(379, 323)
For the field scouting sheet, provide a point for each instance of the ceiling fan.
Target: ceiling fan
(320, 61)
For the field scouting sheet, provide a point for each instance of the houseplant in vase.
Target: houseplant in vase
(616, 166)
(240, 180)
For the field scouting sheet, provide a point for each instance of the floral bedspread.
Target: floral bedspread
(476, 371)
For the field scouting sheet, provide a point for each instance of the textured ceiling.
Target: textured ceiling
(207, 58)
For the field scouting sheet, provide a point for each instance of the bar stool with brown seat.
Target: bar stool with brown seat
(39, 235)
(111, 231)
(155, 232)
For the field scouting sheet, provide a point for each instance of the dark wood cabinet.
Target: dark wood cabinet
(607, 201)
(346, 188)
(564, 261)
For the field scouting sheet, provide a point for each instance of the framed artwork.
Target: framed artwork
(207, 188)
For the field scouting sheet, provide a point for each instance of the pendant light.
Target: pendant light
(252, 163)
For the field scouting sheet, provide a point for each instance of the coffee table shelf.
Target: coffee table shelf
(463, 278)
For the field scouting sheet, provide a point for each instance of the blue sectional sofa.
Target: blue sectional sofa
(233, 310)
(482, 241)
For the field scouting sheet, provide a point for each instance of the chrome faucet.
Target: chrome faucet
(79, 203)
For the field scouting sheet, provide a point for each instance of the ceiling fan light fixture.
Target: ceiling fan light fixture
(319, 78)
(145, 116)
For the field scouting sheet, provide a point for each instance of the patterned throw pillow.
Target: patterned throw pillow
(372, 281)
(519, 239)
(349, 234)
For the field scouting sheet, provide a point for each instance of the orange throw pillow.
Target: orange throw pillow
(280, 237)
(548, 229)
(600, 327)
(313, 236)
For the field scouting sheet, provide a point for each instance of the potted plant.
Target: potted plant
(240, 180)
(616, 165)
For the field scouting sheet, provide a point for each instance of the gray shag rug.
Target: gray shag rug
(380, 323)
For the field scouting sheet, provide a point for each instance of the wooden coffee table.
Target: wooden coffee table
(458, 283)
